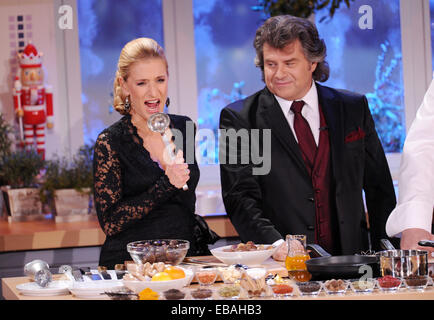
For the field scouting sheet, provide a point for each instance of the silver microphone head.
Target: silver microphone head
(159, 122)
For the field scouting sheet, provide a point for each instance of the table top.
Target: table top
(10, 292)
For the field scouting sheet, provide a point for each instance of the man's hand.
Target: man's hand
(410, 238)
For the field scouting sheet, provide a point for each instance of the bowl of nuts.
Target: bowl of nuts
(170, 251)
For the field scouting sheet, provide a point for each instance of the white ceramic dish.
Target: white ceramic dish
(160, 286)
(249, 258)
(94, 289)
(54, 288)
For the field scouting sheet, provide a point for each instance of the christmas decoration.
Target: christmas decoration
(33, 101)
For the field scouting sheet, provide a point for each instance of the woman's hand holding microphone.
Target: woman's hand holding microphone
(177, 171)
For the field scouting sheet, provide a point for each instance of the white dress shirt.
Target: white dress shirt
(416, 176)
(310, 111)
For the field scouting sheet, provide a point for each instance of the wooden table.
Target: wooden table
(47, 234)
(10, 292)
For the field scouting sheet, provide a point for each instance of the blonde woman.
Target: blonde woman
(138, 190)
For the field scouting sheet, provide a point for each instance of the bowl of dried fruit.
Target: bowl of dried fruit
(158, 277)
(249, 254)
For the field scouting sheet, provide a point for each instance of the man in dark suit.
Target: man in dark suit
(323, 148)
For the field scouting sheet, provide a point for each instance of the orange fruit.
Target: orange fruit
(175, 272)
(161, 276)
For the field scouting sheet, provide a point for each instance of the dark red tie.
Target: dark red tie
(304, 134)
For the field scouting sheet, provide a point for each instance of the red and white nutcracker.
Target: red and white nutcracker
(33, 101)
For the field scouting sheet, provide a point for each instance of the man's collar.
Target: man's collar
(310, 99)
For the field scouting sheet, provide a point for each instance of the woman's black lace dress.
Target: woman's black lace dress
(133, 196)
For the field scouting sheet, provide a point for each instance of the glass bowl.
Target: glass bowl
(175, 294)
(336, 286)
(416, 282)
(206, 276)
(362, 286)
(169, 251)
(231, 274)
(283, 290)
(229, 291)
(389, 283)
(202, 293)
(310, 288)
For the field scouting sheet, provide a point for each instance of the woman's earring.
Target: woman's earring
(167, 102)
(127, 104)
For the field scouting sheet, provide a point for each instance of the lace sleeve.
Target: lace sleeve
(116, 213)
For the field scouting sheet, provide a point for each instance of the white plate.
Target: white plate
(249, 258)
(160, 286)
(54, 288)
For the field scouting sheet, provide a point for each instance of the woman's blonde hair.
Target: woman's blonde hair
(133, 51)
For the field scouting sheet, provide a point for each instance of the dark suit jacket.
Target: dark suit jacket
(264, 208)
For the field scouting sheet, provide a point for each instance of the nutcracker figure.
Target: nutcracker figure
(33, 101)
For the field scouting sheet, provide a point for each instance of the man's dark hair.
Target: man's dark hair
(279, 31)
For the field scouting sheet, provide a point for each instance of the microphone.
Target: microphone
(323, 128)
